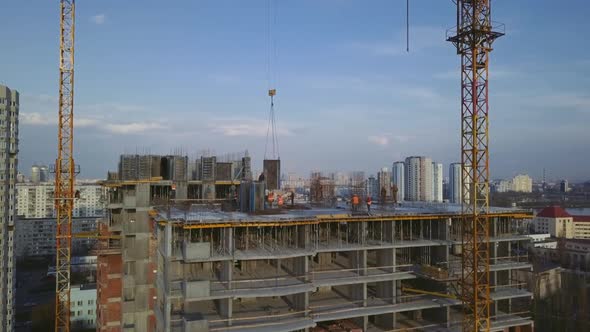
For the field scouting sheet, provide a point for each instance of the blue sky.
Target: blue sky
(191, 75)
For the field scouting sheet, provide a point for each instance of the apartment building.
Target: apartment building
(559, 223)
(36, 200)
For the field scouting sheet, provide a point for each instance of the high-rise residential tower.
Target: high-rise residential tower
(419, 179)
(384, 178)
(372, 187)
(9, 105)
(437, 182)
(455, 183)
(398, 173)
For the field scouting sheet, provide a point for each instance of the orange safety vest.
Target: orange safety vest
(355, 200)
(271, 197)
(280, 200)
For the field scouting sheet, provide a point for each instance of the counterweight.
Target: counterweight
(473, 38)
(65, 170)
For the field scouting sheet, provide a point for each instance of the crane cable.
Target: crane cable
(271, 59)
(408, 26)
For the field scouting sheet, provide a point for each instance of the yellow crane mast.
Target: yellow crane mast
(65, 169)
(473, 38)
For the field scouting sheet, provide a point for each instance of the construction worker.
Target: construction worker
(292, 198)
(280, 201)
(355, 203)
(369, 202)
(271, 198)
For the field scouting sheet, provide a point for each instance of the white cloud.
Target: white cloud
(133, 127)
(382, 140)
(85, 122)
(245, 127)
(98, 19)
(387, 139)
(37, 119)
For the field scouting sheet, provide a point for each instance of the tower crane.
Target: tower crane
(473, 37)
(65, 169)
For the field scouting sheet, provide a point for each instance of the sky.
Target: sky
(189, 76)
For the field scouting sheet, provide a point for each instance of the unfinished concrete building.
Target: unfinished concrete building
(172, 260)
(316, 270)
(126, 252)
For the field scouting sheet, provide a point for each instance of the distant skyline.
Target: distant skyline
(193, 76)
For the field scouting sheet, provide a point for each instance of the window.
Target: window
(80, 303)
(90, 312)
(79, 312)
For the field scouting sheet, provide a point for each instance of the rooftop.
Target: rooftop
(85, 286)
(554, 212)
(203, 213)
(558, 212)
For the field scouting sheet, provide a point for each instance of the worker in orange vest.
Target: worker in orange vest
(271, 198)
(280, 200)
(369, 202)
(355, 203)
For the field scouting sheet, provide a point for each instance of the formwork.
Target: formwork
(272, 173)
(322, 268)
(223, 171)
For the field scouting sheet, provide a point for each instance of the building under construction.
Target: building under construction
(126, 254)
(177, 262)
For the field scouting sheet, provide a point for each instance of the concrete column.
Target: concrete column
(228, 243)
(166, 313)
(358, 292)
(224, 307)
(167, 240)
(303, 236)
(358, 261)
(226, 272)
(386, 289)
(301, 267)
(494, 308)
(388, 231)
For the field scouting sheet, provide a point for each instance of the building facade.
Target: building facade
(9, 110)
(437, 182)
(36, 200)
(35, 237)
(559, 223)
(564, 186)
(321, 277)
(398, 178)
(574, 254)
(384, 179)
(419, 175)
(372, 187)
(522, 183)
(455, 180)
(83, 306)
